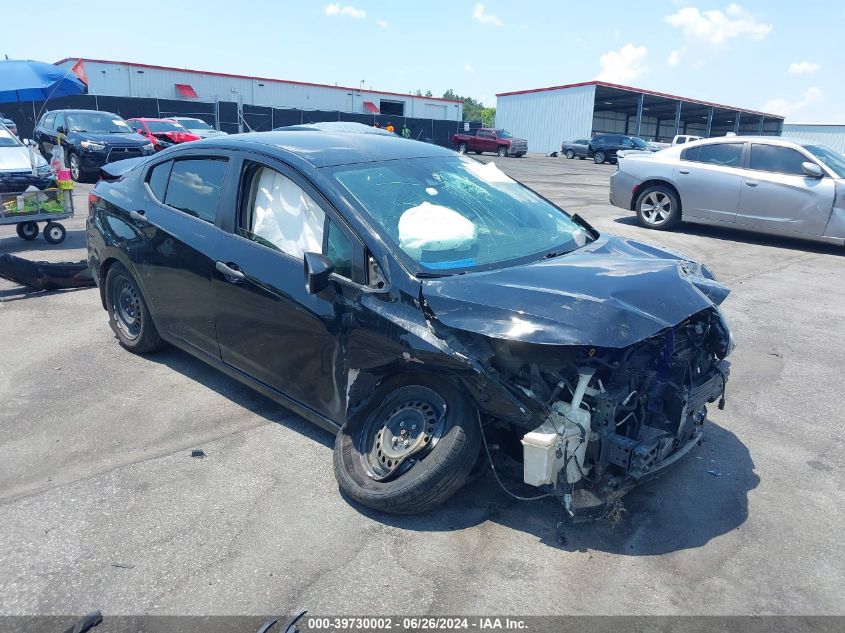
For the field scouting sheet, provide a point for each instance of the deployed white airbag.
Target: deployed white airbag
(432, 227)
(286, 216)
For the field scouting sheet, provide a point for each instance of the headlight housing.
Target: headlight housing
(44, 170)
(148, 148)
(91, 146)
(724, 342)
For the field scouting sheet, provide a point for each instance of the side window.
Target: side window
(157, 179)
(339, 250)
(681, 140)
(48, 121)
(279, 214)
(780, 160)
(723, 154)
(60, 122)
(194, 186)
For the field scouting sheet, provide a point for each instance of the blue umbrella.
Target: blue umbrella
(22, 80)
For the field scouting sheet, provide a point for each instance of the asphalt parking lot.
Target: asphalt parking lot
(102, 506)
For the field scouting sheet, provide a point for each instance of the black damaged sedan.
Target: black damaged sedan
(426, 308)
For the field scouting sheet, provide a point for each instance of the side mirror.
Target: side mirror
(61, 130)
(318, 268)
(811, 170)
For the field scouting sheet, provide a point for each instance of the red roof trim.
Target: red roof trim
(632, 89)
(372, 107)
(234, 76)
(187, 91)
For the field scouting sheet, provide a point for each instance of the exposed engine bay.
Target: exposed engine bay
(612, 418)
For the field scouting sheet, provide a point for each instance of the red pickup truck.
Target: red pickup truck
(486, 139)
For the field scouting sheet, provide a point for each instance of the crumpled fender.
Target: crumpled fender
(45, 275)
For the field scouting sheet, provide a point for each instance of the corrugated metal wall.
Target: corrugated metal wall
(547, 118)
(123, 80)
(831, 135)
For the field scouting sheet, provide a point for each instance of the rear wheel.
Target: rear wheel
(27, 230)
(129, 316)
(54, 233)
(658, 207)
(462, 148)
(477, 152)
(502, 151)
(599, 157)
(570, 154)
(413, 448)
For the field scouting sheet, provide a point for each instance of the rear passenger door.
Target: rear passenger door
(269, 327)
(708, 178)
(174, 261)
(778, 196)
(486, 142)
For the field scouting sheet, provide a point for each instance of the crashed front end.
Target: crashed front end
(608, 419)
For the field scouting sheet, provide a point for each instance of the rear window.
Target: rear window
(722, 154)
(194, 186)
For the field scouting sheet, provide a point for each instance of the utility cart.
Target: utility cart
(28, 208)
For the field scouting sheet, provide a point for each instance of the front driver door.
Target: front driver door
(268, 326)
(708, 178)
(778, 196)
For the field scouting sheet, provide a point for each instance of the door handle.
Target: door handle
(683, 171)
(230, 272)
(139, 216)
(751, 183)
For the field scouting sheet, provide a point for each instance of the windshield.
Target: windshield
(454, 214)
(834, 160)
(504, 134)
(7, 139)
(103, 123)
(638, 142)
(164, 126)
(195, 124)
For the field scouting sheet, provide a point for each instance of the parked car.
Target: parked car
(16, 165)
(8, 124)
(579, 148)
(197, 126)
(90, 139)
(680, 139)
(487, 139)
(417, 303)
(603, 147)
(765, 184)
(162, 133)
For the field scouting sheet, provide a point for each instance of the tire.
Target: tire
(129, 316)
(27, 230)
(502, 152)
(658, 207)
(581, 158)
(477, 152)
(419, 483)
(75, 168)
(599, 157)
(462, 148)
(54, 233)
(570, 154)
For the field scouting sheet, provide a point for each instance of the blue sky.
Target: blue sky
(775, 56)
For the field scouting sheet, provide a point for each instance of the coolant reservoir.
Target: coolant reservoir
(573, 426)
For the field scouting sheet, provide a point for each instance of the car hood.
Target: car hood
(611, 293)
(130, 138)
(17, 159)
(206, 133)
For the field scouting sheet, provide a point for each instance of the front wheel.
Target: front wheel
(129, 316)
(412, 448)
(27, 230)
(502, 152)
(658, 207)
(599, 157)
(75, 168)
(570, 154)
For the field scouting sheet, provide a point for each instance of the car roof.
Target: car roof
(773, 140)
(75, 111)
(326, 149)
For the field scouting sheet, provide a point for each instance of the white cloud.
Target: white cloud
(469, 68)
(787, 107)
(800, 68)
(702, 30)
(383, 24)
(479, 15)
(349, 11)
(623, 65)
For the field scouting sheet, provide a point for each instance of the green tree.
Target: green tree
(473, 110)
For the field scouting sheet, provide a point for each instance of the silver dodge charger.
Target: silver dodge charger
(764, 184)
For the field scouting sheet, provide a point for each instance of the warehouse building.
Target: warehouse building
(830, 134)
(124, 79)
(548, 116)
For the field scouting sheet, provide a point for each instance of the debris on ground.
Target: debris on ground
(123, 565)
(198, 453)
(715, 473)
(615, 511)
(45, 275)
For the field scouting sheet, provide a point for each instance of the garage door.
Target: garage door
(435, 111)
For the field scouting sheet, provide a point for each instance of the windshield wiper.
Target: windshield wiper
(423, 275)
(557, 253)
